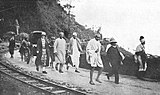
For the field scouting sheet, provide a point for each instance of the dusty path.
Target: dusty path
(129, 85)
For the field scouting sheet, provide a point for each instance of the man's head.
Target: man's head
(74, 35)
(113, 42)
(53, 38)
(61, 34)
(142, 40)
(97, 36)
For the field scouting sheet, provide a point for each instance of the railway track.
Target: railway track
(46, 86)
(49, 88)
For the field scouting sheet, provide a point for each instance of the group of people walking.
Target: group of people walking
(58, 48)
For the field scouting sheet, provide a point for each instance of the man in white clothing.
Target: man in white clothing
(75, 49)
(60, 52)
(94, 58)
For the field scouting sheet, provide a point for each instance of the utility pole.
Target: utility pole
(68, 6)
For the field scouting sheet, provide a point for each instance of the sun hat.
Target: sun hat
(112, 40)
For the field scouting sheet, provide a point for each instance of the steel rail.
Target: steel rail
(46, 86)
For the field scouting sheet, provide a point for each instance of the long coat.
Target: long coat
(75, 49)
(115, 57)
(39, 55)
(11, 45)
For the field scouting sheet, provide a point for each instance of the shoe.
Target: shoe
(92, 83)
(107, 76)
(37, 69)
(44, 72)
(77, 71)
(98, 80)
(60, 71)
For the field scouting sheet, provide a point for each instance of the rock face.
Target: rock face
(46, 15)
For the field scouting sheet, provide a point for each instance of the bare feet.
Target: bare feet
(92, 83)
(98, 80)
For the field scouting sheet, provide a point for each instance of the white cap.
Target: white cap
(74, 33)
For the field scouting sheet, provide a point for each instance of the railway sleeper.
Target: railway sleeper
(15, 74)
(60, 92)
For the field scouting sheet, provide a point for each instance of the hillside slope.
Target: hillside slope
(46, 15)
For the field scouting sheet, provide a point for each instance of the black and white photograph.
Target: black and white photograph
(79, 47)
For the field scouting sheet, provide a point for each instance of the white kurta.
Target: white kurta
(75, 53)
(94, 58)
(60, 48)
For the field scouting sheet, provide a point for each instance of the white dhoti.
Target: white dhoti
(60, 57)
(75, 57)
(93, 57)
(60, 49)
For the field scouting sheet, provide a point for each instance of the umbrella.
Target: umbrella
(10, 33)
(36, 32)
(24, 35)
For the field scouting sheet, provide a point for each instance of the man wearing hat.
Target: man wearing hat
(75, 49)
(42, 53)
(93, 57)
(60, 52)
(115, 60)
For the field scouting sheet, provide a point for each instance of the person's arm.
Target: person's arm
(109, 54)
(70, 46)
(79, 44)
(55, 46)
(38, 45)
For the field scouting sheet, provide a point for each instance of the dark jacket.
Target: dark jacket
(39, 55)
(11, 45)
(114, 56)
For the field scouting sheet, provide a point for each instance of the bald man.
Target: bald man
(93, 57)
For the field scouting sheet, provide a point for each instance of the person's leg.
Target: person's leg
(11, 54)
(77, 65)
(43, 68)
(115, 71)
(100, 69)
(60, 68)
(21, 56)
(91, 76)
(110, 73)
(56, 66)
(116, 77)
(51, 63)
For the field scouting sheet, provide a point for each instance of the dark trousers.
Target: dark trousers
(114, 70)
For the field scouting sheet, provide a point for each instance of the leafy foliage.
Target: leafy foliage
(43, 15)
